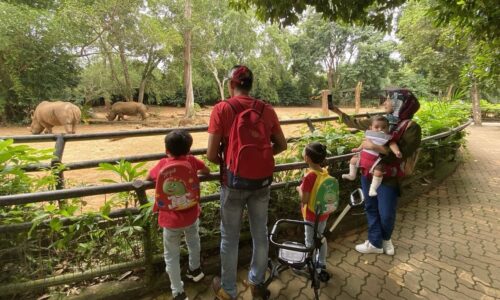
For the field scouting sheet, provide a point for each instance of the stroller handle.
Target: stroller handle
(288, 247)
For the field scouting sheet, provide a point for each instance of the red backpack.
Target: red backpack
(177, 186)
(249, 160)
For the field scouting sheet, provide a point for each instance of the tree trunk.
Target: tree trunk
(142, 88)
(448, 95)
(476, 108)
(111, 64)
(329, 76)
(128, 86)
(188, 80)
(221, 89)
(357, 97)
(220, 85)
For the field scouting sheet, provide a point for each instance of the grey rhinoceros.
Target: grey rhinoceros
(126, 108)
(49, 114)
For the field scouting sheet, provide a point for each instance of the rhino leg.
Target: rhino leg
(70, 128)
(121, 117)
(48, 129)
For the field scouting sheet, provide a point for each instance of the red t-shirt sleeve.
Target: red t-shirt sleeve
(197, 163)
(308, 182)
(153, 173)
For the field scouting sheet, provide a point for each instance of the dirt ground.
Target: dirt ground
(160, 117)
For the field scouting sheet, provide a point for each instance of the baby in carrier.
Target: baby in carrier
(369, 160)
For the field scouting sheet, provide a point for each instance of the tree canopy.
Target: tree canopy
(87, 51)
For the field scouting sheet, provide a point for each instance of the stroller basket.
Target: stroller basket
(296, 259)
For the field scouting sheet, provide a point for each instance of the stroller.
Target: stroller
(301, 259)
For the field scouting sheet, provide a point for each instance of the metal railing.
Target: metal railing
(139, 187)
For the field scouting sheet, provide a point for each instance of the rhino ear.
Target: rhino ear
(32, 113)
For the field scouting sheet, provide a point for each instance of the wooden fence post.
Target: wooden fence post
(146, 237)
(324, 103)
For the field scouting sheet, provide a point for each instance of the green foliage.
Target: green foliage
(490, 107)
(13, 179)
(360, 12)
(34, 65)
(124, 169)
(439, 116)
(127, 173)
(448, 56)
(478, 16)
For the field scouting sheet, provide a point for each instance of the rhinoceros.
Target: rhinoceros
(49, 114)
(126, 108)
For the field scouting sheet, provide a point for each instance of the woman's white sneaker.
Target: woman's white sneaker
(367, 247)
(388, 247)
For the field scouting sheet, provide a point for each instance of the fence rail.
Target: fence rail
(139, 187)
(61, 139)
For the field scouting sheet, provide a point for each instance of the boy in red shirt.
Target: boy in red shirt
(314, 155)
(176, 222)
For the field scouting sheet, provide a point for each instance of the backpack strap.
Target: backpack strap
(262, 106)
(235, 105)
(400, 129)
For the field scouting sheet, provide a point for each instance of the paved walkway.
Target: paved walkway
(447, 243)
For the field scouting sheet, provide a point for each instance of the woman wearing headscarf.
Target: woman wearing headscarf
(400, 107)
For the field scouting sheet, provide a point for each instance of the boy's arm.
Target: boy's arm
(153, 173)
(204, 171)
(200, 166)
(304, 196)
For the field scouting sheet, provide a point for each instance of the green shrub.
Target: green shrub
(13, 180)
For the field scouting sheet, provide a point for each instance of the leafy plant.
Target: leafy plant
(127, 173)
(13, 179)
(440, 116)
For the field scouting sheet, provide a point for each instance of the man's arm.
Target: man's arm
(279, 142)
(213, 147)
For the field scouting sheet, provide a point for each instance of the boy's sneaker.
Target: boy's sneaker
(367, 247)
(220, 293)
(195, 275)
(181, 296)
(388, 247)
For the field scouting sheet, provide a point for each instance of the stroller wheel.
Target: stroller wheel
(324, 276)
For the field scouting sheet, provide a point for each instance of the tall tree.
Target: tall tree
(188, 80)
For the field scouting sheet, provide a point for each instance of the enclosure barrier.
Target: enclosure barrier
(139, 187)
(61, 139)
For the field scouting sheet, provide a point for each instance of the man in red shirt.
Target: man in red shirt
(233, 201)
